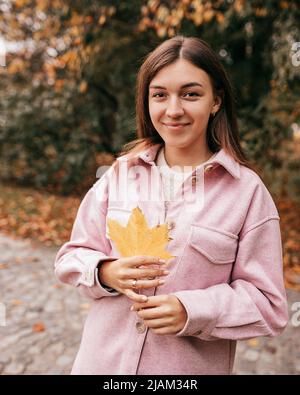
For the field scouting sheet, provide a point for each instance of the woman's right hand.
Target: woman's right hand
(120, 273)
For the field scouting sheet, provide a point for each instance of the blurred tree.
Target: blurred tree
(68, 93)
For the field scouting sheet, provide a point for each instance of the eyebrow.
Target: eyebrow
(188, 85)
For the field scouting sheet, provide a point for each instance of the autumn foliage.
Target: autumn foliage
(67, 91)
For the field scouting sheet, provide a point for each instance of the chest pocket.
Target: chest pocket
(207, 259)
(217, 246)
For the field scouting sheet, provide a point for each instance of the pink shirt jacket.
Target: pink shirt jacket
(227, 270)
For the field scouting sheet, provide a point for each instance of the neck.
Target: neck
(175, 156)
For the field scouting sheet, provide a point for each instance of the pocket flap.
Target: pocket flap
(218, 246)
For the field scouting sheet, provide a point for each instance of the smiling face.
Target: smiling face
(181, 100)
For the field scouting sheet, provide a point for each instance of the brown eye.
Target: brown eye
(157, 94)
(193, 94)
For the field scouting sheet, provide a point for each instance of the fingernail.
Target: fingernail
(144, 298)
(166, 272)
(162, 261)
(161, 281)
(131, 308)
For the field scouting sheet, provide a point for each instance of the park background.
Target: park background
(67, 85)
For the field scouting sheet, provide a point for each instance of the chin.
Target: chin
(176, 142)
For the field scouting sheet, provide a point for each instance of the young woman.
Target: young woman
(187, 169)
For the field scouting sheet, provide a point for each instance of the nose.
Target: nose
(174, 108)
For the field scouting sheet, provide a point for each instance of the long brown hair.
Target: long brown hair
(222, 129)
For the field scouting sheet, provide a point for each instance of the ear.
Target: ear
(216, 105)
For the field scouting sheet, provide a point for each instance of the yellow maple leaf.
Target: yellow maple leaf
(136, 238)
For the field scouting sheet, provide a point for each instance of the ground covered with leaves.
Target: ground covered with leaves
(48, 219)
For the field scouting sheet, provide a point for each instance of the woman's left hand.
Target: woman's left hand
(163, 314)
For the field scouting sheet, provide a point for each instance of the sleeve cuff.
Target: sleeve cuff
(202, 313)
(89, 285)
(104, 288)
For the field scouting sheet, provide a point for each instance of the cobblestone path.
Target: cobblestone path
(44, 320)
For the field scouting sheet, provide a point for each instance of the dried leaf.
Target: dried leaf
(38, 327)
(56, 286)
(253, 343)
(137, 238)
(16, 302)
(83, 87)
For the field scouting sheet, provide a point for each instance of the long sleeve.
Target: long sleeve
(254, 302)
(77, 260)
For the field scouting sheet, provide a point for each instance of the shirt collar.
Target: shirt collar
(222, 158)
(228, 162)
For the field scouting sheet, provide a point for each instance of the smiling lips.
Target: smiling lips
(173, 125)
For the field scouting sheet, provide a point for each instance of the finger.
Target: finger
(166, 330)
(144, 284)
(146, 273)
(152, 301)
(158, 323)
(139, 260)
(137, 298)
(151, 313)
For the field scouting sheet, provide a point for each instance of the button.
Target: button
(170, 224)
(198, 333)
(208, 168)
(194, 180)
(140, 327)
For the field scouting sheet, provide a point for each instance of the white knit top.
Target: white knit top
(172, 177)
